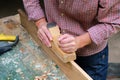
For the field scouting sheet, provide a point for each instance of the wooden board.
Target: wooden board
(71, 69)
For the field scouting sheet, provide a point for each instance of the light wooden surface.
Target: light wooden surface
(71, 69)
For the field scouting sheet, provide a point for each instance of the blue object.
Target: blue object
(6, 46)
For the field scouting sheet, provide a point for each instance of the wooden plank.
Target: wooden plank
(71, 69)
(55, 32)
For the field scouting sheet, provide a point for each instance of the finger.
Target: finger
(68, 50)
(47, 32)
(67, 40)
(61, 37)
(41, 38)
(67, 45)
(45, 39)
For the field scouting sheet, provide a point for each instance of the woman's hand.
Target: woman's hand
(43, 33)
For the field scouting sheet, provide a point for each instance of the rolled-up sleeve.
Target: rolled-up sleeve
(109, 21)
(33, 9)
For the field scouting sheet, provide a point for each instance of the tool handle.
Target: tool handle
(7, 37)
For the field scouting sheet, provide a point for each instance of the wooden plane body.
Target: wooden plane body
(55, 32)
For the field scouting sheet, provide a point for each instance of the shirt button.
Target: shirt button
(61, 2)
(63, 32)
(84, 0)
(62, 14)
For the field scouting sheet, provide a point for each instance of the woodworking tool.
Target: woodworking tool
(55, 32)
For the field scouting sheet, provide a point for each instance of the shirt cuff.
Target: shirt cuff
(101, 32)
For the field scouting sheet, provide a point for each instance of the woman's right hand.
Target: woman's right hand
(43, 33)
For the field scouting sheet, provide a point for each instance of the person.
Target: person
(85, 26)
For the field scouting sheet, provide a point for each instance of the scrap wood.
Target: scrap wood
(43, 77)
(71, 69)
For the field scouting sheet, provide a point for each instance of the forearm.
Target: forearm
(33, 9)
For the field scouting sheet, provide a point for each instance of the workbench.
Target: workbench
(28, 58)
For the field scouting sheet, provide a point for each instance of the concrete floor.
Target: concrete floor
(10, 7)
(114, 48)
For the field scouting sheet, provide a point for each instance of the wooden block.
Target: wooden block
(70, 69)
(55, 32)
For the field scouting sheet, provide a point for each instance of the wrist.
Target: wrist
(40, 22)
(83, 40)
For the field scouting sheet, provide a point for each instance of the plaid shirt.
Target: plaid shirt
(100, 18)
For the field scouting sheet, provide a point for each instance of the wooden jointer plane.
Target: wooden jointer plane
(65, 61)
(55, 32)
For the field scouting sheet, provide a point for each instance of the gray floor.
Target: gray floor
(114, 57)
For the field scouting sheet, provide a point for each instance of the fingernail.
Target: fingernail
(50, 47)
(50, 39)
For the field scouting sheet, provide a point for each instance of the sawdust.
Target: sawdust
(22, 50)
(42, 77)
